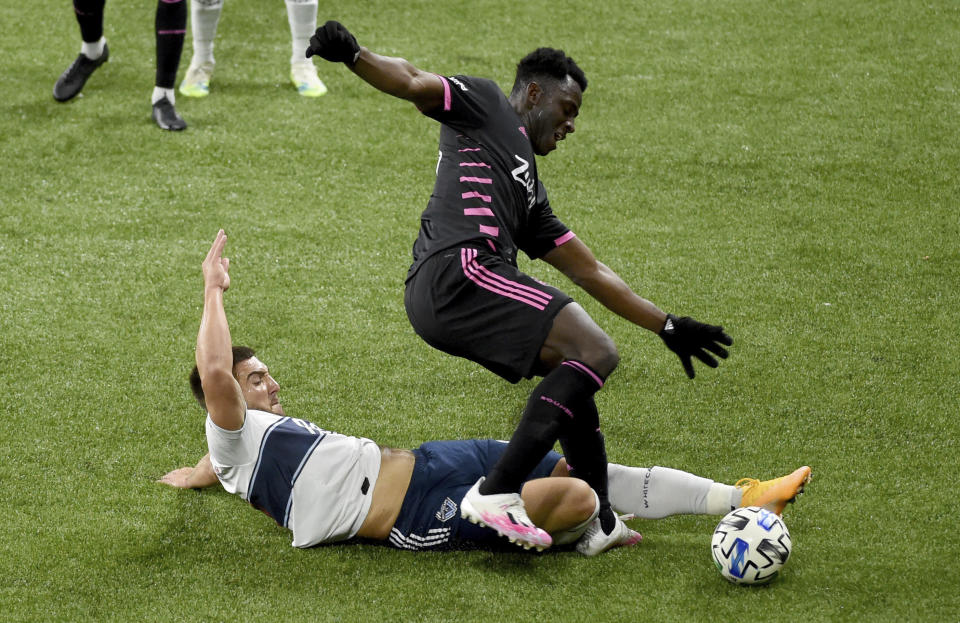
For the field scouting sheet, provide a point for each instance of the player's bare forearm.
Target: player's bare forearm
(203, 474)
(198, 477)
(607, 287)
(214, 349)
(575, 260)
(398, 77)
(214, 355)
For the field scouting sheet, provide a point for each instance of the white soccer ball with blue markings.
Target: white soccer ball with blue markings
(750, 545)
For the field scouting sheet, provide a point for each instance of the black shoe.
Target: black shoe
(73, 79)
(166, 116)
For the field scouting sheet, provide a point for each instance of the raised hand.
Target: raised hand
(216, 267)
(333, 42)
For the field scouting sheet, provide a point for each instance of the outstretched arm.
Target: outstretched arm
(575, 260)
(221, 391)
(394, 76)
(192, 477)
(685, 336)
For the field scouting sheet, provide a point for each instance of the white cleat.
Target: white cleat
(304, 77)
(196, 83)
(594, 541)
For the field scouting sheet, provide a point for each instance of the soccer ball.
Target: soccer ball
(750, 545)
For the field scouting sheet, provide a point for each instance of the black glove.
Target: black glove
(333, 42)
(689, 338)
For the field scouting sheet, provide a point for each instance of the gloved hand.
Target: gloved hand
(690, 338)
(333, 42)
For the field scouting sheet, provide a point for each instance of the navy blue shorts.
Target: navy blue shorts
(443, 473)
(470, 303)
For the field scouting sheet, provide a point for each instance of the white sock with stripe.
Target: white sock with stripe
(661, 492)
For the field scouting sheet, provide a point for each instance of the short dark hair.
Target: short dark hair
(240, 353)
(547, 63)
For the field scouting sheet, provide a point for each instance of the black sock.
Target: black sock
(547, 414)
(90, 17)
(584, 447)
(171, 26)
(585, 450)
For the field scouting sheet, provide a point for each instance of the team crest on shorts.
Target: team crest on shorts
(448, 510)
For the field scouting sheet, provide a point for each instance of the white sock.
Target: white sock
(204, 16)
(302, 16)
(159, 93)
(94, 50)
(722, 499)
(661, 491)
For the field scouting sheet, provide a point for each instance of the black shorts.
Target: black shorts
(470, 303)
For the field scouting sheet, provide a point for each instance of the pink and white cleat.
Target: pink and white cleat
(503, 512)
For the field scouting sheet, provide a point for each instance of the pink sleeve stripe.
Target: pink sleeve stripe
(468, 149)
(477, 212)
(171, 32)
(446, 93)
(474, 164)
(582, 368)
(567, 237)
(475, 195)
(492, 231)
(478, 180)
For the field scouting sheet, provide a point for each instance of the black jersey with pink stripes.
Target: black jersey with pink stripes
(487, 191)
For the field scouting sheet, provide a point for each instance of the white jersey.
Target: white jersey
(317, 483)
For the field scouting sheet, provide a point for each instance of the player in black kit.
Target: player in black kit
(466, 296)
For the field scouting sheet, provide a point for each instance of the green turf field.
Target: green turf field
(787, 169)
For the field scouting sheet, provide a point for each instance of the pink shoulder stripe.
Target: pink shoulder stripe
(446, 92)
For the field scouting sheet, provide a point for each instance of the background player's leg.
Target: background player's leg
(90, 17)
(93, 51)
(171, 26)
(204, 17)
(302, 17)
